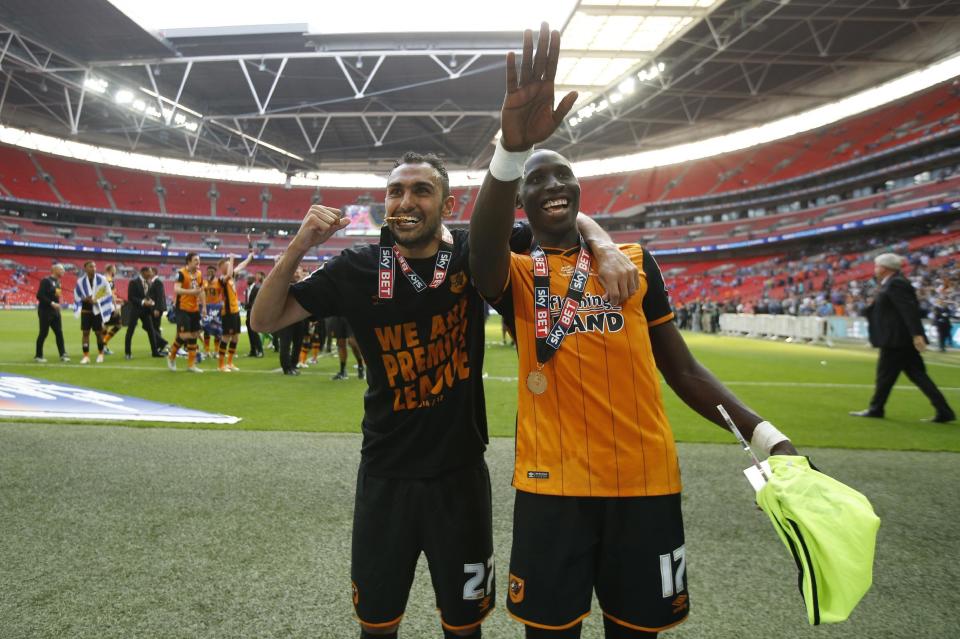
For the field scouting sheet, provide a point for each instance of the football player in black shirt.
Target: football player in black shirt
(422, 485)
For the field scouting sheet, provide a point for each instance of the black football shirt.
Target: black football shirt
(424, 411)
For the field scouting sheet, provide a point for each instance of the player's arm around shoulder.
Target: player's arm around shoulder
(618, 266)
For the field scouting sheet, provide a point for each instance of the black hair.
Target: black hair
(189, 257)
(412, 157)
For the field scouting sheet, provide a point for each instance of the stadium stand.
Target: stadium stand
(789, 188)
(76, 182)
(289, 203)
(239, 200)
(19, 176)
(131, 190)
(185, 196)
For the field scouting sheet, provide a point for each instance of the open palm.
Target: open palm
(528, 116)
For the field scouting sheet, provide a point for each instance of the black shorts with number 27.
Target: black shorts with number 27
(629, 549)
(449, 519)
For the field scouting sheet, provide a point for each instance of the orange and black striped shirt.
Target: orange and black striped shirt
(228, 290)
(600, 429)
(188, 280)
(212, 291)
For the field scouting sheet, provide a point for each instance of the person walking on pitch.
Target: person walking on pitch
(48, 312)
(896, 328)
(93, 302)
(191, 305)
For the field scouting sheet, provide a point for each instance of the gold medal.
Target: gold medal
(537, 382)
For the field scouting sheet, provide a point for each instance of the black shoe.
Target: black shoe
(128, 356)
(339, 376)
(866, 413)
(360, 372)
(942, 418)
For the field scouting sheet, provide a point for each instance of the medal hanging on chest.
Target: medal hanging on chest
(549, 339)
(390, 255)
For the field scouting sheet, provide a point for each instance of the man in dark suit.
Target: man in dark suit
(141, 310)
(158, 294)
(897, 330)
(253, 287)
(941, 319)
(48, 310)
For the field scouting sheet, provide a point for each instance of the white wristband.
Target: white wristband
(766, 436)
(507, 166)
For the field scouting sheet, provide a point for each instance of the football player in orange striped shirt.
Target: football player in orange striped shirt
(214, 295)
(229, 312)
(598, 484)
(191, 303)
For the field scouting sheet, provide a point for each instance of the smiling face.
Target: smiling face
(415, 191)
(550, 195)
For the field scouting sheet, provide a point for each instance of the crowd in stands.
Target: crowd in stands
(836, 282)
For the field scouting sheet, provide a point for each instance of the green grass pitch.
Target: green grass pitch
(244, 531)
(806, 391)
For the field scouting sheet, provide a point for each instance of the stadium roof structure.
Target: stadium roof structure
(651, 73)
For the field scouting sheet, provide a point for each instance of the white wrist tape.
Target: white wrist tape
(766, 436)
(507, 166)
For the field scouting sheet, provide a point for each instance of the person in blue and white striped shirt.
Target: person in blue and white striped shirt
(93, 302)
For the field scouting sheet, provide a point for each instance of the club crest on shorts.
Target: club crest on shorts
(458, 282)
(516, 589)
(679, 604)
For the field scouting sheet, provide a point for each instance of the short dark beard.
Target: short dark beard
(424, 238)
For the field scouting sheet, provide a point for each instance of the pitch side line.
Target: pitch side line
(493, 378)
(772, 384)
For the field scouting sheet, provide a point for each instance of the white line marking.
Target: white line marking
(495, 378)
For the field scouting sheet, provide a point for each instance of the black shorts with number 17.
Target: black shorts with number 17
(630, 550)
(449, 519)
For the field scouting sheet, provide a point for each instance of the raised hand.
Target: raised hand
(528, 116)
(318, 225)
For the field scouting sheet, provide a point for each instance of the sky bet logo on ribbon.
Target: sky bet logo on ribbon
(440, 270)
(386, 273)
(542, 318)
